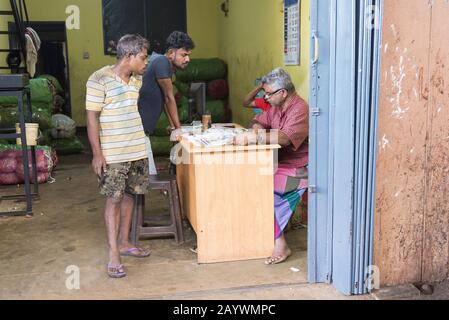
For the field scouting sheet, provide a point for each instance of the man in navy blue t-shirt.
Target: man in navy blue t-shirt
(157, 89)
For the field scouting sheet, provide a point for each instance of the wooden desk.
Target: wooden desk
(228, 199)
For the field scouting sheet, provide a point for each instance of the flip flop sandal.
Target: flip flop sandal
(116, 271)
(194, 249)
(136, 253)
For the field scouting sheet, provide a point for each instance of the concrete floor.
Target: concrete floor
(68, 229)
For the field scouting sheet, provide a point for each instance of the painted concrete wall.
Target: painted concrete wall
(412, 207)
(252, 43)
(203, 27)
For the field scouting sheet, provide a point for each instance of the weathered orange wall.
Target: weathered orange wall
(412, 198)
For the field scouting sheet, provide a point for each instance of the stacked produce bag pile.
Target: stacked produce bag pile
(211, 71)
(43, 94)
(56, 131)
(11, 164)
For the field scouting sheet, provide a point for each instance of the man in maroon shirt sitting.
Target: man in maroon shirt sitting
(286, 123)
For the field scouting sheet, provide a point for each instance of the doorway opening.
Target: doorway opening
(53, 59)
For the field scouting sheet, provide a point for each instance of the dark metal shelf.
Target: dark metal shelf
(25, 115)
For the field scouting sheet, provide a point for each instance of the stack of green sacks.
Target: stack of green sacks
(41, 95)
(41, 102)
(205, 70)
(54, 81)
(10, 116)
(46, 99)
(202, 70)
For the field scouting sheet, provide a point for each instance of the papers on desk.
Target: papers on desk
(194, 129)
(213, 137)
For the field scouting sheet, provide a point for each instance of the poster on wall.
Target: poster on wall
(292, 32)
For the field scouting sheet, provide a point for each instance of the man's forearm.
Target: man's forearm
(251, 96)
(276, 137)
(168, 117)
(93, 132)
(282, 139)
(172, 113)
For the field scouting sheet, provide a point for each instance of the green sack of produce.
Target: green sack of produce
(202, 70)
(5, 101)
(217, 110)
(183, 109)
(162, 123)
(40, 92)
(183, 103)
(175, 91)
(43, 105)
(161, 146)
(67, 146)
(182, 87)
(183, 113)
(45, 138)
(161, 126)
(55, 82)
(43, 117)
(10, 116)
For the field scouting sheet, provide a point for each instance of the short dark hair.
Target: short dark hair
(178, 40)
(131, 44)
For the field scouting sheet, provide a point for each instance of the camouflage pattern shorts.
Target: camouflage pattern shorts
(126, 177)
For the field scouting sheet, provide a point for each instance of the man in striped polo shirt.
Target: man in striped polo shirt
(118, 143)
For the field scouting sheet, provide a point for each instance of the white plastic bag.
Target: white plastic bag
(64, 127)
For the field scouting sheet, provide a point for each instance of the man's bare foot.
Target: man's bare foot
(278, 258)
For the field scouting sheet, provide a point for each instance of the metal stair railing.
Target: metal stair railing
(18, 11)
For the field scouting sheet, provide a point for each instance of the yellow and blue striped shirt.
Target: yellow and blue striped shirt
(121, 132)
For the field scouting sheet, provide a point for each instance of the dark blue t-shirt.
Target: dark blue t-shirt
(151, 98)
